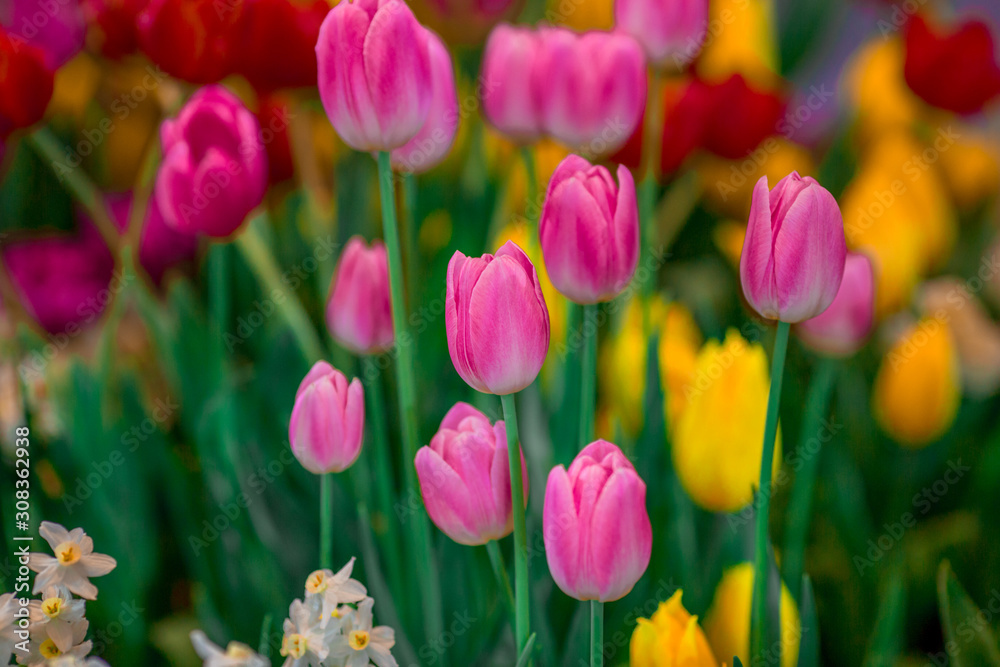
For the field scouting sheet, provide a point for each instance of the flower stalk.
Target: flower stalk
(521, 602)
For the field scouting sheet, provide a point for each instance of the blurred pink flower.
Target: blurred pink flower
(327, 426)
(359, 312)
(671, 32)
(57, 27)
(509, 98)
(844, 327)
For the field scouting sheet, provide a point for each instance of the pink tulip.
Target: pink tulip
(161, 247)
(497, 322)
(214, 170)
(433, 142)
(465, 477)
(591, 88)
(359, 312)
(374, 73)
(589, 230)
(57, 27)
(327, 425)
(509, 94)
(843, 328)
(793, 254)
(598, 538)
(666, 29)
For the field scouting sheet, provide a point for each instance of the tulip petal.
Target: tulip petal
(560, 531)
(757, 258)
(622, 536)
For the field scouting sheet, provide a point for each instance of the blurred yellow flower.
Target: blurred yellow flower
(728, 236)
(582, 16)
(916, 393)
(671, 638)
(727, 623)
(75, 87)
(877, 91)
(740, 39)
(971, 170)
(718, 441)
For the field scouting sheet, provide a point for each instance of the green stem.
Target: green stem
(588, 377)
(427, 575)
(596, 633)
(264, 646)
(758, 615)
(800, 507)
(522, 625)
(534, 208)
(500, 570)
(410, 228)
(384, 478)
(326, 520)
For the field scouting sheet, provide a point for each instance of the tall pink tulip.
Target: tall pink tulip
(794, 251)
(214, 170)
(431, 144)
(843, 328)
(374, 73)
(465, 477)
(589, 231)
(359, 313)
(497, 322)
(57, 27)
(598, 537)
(327, 426)
(670, 31)
(510, 101)
(591, 88)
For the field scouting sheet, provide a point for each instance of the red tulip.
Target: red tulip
(115, 24)
(194, 40)
(25, 84)
(292, 24)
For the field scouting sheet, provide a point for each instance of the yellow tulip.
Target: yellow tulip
(582, 15)
(877, 91)
(971, 170)
(727, 623)
(718, 441)
(740, 40)
(672, 637)
(916, 392)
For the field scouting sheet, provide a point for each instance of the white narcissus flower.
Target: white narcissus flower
(365, 644)
(8, 605)
(73, 661)
(42, 648)
(73, 564)
(306, 638)
(235, 655)
(334, 589)
(58, 612)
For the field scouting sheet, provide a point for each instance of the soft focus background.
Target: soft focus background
(151, 411)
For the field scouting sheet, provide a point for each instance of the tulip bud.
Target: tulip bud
(58, 28)
(717, 442)
(294, 24)
(793, 255)
(670, 31)
(359, 312)
(374, 73)
(671, 637)
(844, 327)
(465, 477)
(727, 623)
(589, 231)
(327, 425)
(214, 169)
(497, 322)
(431, 144)
(598, 538)
(25, 84)
(591, 88)
(916, 393)
(508, 90)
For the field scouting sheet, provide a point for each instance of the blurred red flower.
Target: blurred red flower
(25, 84)
(279, 42)
(195, 40)
(114, 25)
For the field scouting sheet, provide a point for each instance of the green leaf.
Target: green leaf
(736, 660)
(968, 638)
(526, 653)
(887, 639)
(809, 642)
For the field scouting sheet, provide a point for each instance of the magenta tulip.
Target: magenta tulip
(843, 328)
(598, 538)
(589, 231)
(670, 31)
(214, 170)
(591, 88)
(359, 312)
(465, 477)
(161, 247)
(374, 73)
(57, 27)
(794, 251)
(327, 426)
(497, 322)
(433, 142)
(508, 84)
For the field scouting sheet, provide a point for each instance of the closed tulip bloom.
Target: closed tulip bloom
(25, 84)
(717, 442)
(672, 637)
(598, 538)
(670, 31)
(465, 477)
(843, 328)
(589, 231)
(294, 24)
(497, 322)
(214, 169)
(58, 29)
(794, 251)
(359, 312)
(591, 88)
(917, 389)
(374, 73)
(327, 425)
(431, 144)
(114, 25)
(210, 33)
(510, 99)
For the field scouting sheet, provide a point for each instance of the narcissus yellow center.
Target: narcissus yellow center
(335, 613)
(48, 649)
(317, 582)
(52, 607)
(358, 639)
(68, 553)
(238, 650)
(294, 646)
